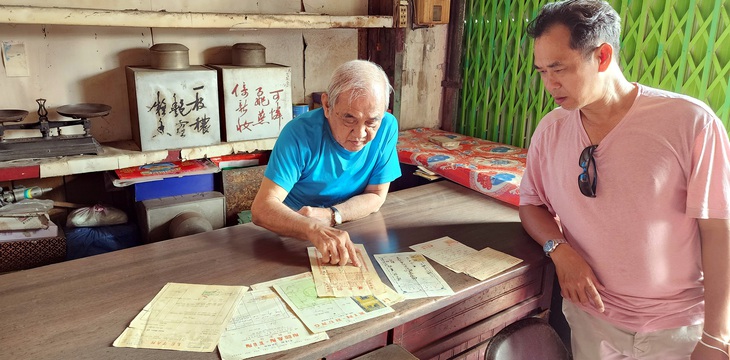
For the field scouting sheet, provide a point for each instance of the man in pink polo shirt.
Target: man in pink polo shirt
(628, 190)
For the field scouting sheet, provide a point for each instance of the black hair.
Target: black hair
(591, 23)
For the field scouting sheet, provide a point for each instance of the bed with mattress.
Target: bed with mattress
(491, 168)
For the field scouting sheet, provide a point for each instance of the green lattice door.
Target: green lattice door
(677, 45)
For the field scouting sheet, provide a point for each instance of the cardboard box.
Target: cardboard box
(16, 235)
(233, 161)
(24, 222)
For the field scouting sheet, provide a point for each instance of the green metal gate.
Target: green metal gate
(677, 45)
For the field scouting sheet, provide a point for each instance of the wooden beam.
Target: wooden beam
(452, 83)
(162, 19)
(382, 47)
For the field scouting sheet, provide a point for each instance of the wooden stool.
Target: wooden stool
(390, 352)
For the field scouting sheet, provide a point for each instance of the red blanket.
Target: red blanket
(488, 167)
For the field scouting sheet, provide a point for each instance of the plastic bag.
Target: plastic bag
(27, 207)
(97, 215)
(82, 242)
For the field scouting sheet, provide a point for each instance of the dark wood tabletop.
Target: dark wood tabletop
(76, 309)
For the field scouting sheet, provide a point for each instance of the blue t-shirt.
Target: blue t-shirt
(317, 171)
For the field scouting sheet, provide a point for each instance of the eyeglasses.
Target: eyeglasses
(586, 182)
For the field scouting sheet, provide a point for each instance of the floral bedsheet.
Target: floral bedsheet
(491, 168)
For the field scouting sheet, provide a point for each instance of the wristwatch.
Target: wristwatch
(551, 245)
(336, 216)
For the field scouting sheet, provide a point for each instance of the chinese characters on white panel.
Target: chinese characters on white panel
(265, 110)
(182, 114)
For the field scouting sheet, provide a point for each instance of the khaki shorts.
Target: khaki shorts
(592, 339)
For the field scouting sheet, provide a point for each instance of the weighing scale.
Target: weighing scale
(51, 145)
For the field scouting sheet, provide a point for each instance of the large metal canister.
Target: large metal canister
(169, 56)
(248, 54)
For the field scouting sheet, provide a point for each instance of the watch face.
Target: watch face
(549, 246)
(337, 216)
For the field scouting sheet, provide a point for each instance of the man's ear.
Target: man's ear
(325, 104)
(605, 56)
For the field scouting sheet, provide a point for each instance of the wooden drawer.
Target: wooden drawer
(450, 328)
(363, 347)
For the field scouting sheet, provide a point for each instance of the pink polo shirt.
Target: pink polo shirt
(664, 165)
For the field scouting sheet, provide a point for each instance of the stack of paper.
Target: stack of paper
(186, 317)
(159, 171)
(461, 258)
(262, 324)
(426, 173)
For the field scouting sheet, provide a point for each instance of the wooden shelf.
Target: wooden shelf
(125, 154)
(13, 14)
(120, 155)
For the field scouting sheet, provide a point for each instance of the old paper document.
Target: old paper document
(185, 317)
(262, 324)
(461, 258)
(486, 263)
(322, 314)
(15, 59)
(444, 251)
(344, 281)
(413, 276)
(389, 297)
(270, 283)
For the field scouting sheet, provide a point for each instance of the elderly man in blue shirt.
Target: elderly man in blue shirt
(332, 164)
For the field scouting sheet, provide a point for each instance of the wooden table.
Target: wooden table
(75, 309)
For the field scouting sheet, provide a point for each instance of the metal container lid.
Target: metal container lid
(248, 54)
(169, 56)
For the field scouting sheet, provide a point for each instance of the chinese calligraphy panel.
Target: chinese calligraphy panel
(256, 100)
(172, 109)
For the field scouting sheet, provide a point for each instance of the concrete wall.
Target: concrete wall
(81, 64)
(78, 64)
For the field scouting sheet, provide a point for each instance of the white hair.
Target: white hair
(360, 76)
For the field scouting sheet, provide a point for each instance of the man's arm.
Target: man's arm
(715, 234)
(357, 207)
(362, 205)
(578, 283)
(269, 211)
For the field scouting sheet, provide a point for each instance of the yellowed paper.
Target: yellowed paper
(413, 276)
(486, 263)
(263, 324)
(184, 317)
(388, 296)
(15, 59)
(270, 283)
(444, 251)
(343, 281)
(323, 314)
